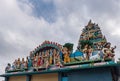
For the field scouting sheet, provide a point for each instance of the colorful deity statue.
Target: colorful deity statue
(99, 46)
(90, 51)
(15, 64)
(46, 59)
(108, 51)
(66, 55)
(22, 64)
(26, 64)
(39, 62)
(31, 55)
(51, 56)
(8, 67)
(85, 51)
(61, 53)
(34, 61)
(54, 56)
(58, 60)
(42, 58)
(18, 63)
(29, 61)
(96, 56)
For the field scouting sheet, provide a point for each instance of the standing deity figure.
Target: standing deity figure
(13, 66)
(26, 64)
(46, 59)
(61, 53)
(85, 52)
(39, 62)
(51, 56)
(42, 59)
(15, 63)
(22, 64)
(18, 63)
(58, 60)
(90, 51)
(35, 61)
(29, 61)
(66, 55)
(54, 56)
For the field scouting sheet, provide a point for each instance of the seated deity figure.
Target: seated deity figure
(66, 55)
(96, 56)
(8, 67)
(108, 51)
(99, 46)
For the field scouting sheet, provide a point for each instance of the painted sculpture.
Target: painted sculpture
(66, 55)
(92, 46)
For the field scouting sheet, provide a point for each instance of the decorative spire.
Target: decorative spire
(89, 22)
(91, 34)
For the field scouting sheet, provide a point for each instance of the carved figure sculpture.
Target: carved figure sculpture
(66, 55)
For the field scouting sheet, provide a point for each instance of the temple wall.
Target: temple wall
(93, 74)
(17, 78)
(45, 77)
(99, 74)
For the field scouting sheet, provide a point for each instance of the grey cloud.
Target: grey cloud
(7, 48)
(101, 7)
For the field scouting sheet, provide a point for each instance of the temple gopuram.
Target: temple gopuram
(93, 60)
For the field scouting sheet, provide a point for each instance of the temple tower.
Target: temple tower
(91, 35)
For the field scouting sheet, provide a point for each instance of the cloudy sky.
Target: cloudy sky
(24, 24)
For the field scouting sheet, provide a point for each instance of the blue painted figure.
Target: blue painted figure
(29, 62)
(51, 56)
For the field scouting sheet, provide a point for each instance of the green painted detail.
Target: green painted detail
(86, 61)
(20, 70)
(64, 69)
